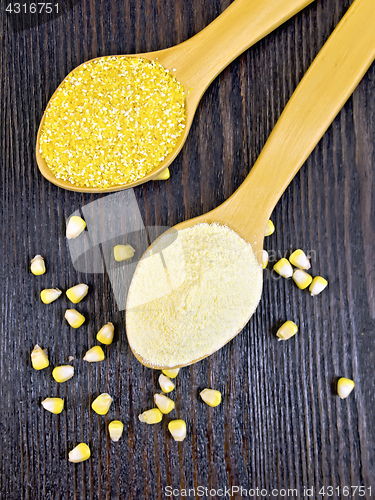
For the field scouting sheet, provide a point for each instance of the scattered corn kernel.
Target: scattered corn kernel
(74, 318)
(115, 429)
(166, 384)
(105, 334)
(123, 252)
(63, 373)
(152, 416)
(344, 387)
(49, 295)
(211, 397)
(94, 354)
(318, 284)
(80, 453)
(75, 227)
(39, 358)
(164, 404)
(264, 259)
(270, 228)
(298, 259)
(284, 268)
(163, 176)
(171, 373)
(101, 404)
(287, 330)
(76, 293)
(178, 429)
(54, 405)
(301, 279)
(37, 265)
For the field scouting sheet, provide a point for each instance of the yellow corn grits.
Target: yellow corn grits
(112, 121)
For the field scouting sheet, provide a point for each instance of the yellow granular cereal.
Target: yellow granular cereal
(112, 121)
(192, 292)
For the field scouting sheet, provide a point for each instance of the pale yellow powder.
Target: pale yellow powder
(191, 293)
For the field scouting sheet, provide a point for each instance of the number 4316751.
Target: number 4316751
(33, 8)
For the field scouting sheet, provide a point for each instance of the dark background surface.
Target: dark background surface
(280, 424)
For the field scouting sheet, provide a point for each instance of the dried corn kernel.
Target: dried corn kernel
(94, 354)
(54, 405)
(298, 259)
(283, 268)
(115, 429)
(344, 387)
(112, 121)
(178, 429)
(49, 295)
(123, 252)
(105, 334)
(75, 227)
(211, 397)
(166, 384)
(39, 358)
(264, 259)
(101, 404)
(270, 228)
(63, 373)
(74, 318)
(164, 404)
(301, 279)
(80, 453)
(287, 330)
(318, 284)
(77, 293)
(37, 265)
(153, 416)
(171, 373)
(163, 176)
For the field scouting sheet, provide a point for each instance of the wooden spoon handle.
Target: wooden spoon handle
(330, 80)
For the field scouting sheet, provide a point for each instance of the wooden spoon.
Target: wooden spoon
(197, 61)
(322, 92)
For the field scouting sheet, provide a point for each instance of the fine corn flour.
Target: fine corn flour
(192, 292)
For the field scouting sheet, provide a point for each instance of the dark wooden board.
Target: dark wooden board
(280, 424)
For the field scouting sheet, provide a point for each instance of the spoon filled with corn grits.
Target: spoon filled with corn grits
(199, 283)
(118, 121)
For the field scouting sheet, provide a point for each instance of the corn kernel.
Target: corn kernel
(178, 429)
(344, 387)
(264, 259)
(74, 318)
(77, 293)
(211, 397)
(163, 176)
(166, 384)
(49, 295)
(75, 227)
(164, 404)
(152, 416)
(123, 252)
(298, 259)
(94, 354)
(101, 404)
(283, 268)
(105, 334)
(54, 405)
(171, 373)
(287, 330)
(80, 453)
(39, 358)
(37, 265)
(318, 285)
(115, 429)
(270, 228)
(63, 373)
(301, 279)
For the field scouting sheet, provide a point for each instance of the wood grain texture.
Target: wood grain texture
(280, 424)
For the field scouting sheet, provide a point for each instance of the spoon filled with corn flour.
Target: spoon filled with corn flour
(198, 284)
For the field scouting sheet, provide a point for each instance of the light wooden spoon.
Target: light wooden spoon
(322, 92)
(197, 61)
